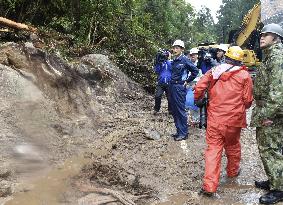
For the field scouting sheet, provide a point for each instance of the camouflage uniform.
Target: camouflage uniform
(268, 93)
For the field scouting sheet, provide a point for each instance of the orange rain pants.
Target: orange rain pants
(229, 97)
(219, 136)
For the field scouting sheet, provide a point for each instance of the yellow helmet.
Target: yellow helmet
(235, 53)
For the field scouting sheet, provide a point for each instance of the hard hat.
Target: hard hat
(222, 47)
(179, 43)
(235, 53)
(194, 50)
(273, 28)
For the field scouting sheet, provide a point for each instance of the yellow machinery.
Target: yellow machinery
(245, 38)
(250, 23)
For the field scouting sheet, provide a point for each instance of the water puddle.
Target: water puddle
(29, 161)
(177, 199)
(49, 189)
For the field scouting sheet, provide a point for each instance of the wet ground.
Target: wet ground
(129, 168)
(171, 172)
(83, 143)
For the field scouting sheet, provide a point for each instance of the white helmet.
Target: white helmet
(194, 51)
(179, 43)
(222, 47)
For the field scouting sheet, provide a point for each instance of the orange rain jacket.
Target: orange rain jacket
(229, 97)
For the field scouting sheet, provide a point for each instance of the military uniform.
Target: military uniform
(268, 93)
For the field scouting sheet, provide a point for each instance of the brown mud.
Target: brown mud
(85, 134)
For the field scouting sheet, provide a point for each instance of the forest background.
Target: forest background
(130, 32)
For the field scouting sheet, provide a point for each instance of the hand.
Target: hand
(267, 122)
(186, 84)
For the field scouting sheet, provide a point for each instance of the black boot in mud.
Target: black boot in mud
(265, 185)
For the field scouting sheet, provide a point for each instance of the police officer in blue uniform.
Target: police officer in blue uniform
(183, 72)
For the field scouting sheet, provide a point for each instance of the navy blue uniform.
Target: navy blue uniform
(183, 70)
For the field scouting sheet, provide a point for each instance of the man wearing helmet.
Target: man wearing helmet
(193, 55)
(183, 72)
(221, 50)
(193, 110)
(267, 115)
(229, 90)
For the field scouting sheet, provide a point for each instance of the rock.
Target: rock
(152, 134)
(5, 188)
(5, 173)
(6, 191)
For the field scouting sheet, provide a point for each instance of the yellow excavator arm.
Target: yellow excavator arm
(249, 24)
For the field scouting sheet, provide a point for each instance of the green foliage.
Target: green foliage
(204, 27)
(132, 30)
(37, 12)
(230, 16)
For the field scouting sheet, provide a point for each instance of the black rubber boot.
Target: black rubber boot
(174, 135)
(206, 193)
(271, 197)
(263, 185)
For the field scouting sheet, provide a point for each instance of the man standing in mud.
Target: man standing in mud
(180, 78)
(162, 68)
(229, 90)
(267, 115)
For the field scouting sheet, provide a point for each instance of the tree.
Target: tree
(230, 16)
(204, 27)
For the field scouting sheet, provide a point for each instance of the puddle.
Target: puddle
(28, 161)
(177, 199)
(50, 188)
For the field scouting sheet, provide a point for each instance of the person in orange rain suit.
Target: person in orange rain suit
(229, 88)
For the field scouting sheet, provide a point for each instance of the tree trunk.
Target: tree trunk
(13, 24)
(77, 14)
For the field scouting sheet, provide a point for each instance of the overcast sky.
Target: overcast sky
(213, 5)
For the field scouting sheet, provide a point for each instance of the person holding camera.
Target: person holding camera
(229, 90)
(163, 69)
(206, 60)
(220, 53)
(183, 72)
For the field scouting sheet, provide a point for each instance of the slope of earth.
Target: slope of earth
(83, 133)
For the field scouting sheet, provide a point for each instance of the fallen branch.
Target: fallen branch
(13, 24)
(4, 30)
(123, 199)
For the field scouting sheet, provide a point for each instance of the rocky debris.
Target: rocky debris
(51, 110)
(5, 184)
(5, 173)
(5, 188)
(152, 134)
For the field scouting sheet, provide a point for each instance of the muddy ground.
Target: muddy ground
(79, 134)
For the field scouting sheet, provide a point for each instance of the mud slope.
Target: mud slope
(52, 110)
